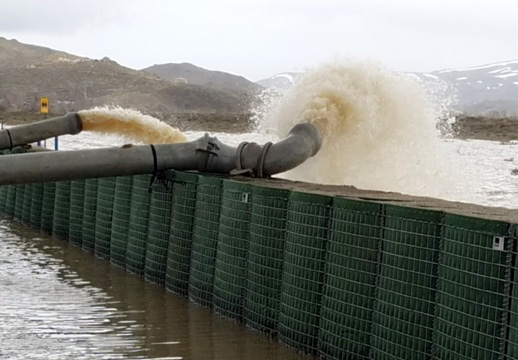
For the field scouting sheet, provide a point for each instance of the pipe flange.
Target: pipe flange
(237, 159)
(259, 167)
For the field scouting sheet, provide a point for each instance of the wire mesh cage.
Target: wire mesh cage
(159, 228)
(304, 269)
(180, 238)
(205, 239)
(103, 218)
(268, 217)
(121, 220)
(231, 268)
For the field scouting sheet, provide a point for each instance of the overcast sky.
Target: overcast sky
(259, 38)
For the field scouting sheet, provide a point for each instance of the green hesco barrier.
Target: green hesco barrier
(406, 288)
(18, 208)
(205, 239)
(103, 218)
(512, 335)
(472, 300)
(36, 205)
(351, 273)
(121, 217)
(10, 200)
(159, 229)
(47, 210)
(3, 197)
(304, 267)
(77, 203)
(268, 216)
(62, 210)
(89, 214)
(138, 226)
(180, 239)
(27, 203)
(230, 277)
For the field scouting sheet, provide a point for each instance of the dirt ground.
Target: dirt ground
(484, 128)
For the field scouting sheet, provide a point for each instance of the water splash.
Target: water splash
(130, 124)
(379, 130)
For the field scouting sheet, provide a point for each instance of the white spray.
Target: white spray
(379, 129)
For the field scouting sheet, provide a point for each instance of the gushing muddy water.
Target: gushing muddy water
(131, 125)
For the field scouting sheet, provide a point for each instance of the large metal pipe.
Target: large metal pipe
(40, 130)
(207, 154)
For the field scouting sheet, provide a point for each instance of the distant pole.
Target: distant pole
(44, 108)
(56, 143)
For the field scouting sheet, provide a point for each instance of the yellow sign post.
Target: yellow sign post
(44, 105)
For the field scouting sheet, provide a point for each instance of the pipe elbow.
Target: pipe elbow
(303, 141)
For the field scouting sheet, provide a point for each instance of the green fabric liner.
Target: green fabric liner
(159, 230)
(77, 201)
(181, 234)
(351, 273)
(205, 239)
(406, 286)
(231, 269)
(138, 225)
(120, 220)
(471, 299)
(89, 214)
(304, 270)
(268, 217)
(61, 222)
(103, 216)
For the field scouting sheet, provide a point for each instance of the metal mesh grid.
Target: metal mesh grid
(268, 216)
(36, 205)
(47, 210)
(511, 345)
(18, 207)
(470, 319)
(360, 281)
(89, 214)
(351, 272)
(159, 229)
(205, 239)
(180, 240)
(62, 210)
(3, 197)
(27, 203)
(10, 200)
(138, 226)
(103, 219)
(303, 277)
(77, 201)
(403, 313)
(120, 220)
(230, 277)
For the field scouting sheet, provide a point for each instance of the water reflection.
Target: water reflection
(59, 302)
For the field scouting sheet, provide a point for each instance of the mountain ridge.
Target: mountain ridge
(73, 83)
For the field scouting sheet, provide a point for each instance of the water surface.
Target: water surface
(59, 302)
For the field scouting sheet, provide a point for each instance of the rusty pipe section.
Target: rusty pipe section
(69, 124)
(206, 154)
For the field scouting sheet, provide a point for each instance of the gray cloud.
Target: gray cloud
(56, 17)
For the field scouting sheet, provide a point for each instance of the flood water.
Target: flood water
(58, 302)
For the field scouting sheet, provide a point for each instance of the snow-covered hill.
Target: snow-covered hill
(490, 89)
